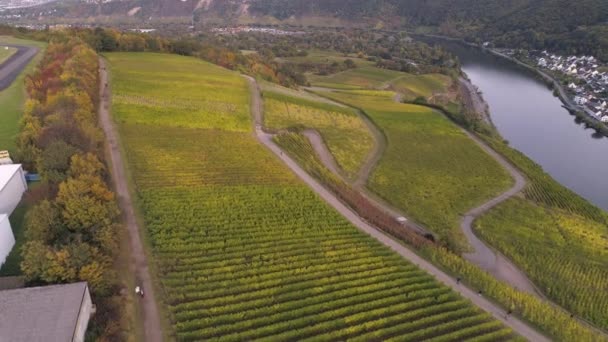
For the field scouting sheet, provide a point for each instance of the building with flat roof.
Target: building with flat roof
(58, 313)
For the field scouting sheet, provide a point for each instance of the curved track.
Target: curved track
(14, 65)
(498, 313)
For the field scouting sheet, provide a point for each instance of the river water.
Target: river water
(533, 121)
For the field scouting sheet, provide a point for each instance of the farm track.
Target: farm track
(266, 139)
(139, 265)
(485, 257)
(14, 65)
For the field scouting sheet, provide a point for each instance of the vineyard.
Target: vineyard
(366, 77)
(414, 86)
(168, 96)
(346, 135)
(431, 170)
(565, 254)
(244, 251)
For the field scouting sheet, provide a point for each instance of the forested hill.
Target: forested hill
(579, 27)
(574, 27)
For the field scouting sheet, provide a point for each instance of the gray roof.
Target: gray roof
(47, 313)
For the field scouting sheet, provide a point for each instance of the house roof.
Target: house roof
(47, 313)
(7, 172)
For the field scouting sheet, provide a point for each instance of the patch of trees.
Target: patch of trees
(389, 50)
(566, 26)
(71, 231)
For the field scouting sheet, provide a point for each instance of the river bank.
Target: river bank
(558, 89)
(549, 80)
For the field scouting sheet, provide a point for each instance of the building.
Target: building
(12, 187)
(47, 313)
(7, 240)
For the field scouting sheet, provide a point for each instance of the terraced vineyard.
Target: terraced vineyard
(431, 170)
(344, 132)
(244, 251)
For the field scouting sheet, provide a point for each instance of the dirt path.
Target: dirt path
(483, 256)
(328, 160)
(139, 265)
(12, 67)
(266, 139)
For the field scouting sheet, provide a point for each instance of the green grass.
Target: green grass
(13, 98)
(431, 169)
(245, 251)
(366, 77)
(345, 133)
(6, 53)
(565, 254)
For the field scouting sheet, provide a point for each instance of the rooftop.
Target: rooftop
(47, 313)
(7, 172)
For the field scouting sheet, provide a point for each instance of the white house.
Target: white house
(7, 240)
(605, 118)
(46, 313)
(12, 187)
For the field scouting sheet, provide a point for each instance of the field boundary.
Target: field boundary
(139, 265)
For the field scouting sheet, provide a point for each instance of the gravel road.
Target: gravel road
(139, 264)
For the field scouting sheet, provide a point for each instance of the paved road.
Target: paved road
(14, 65)
(266, 139)
(139, 264)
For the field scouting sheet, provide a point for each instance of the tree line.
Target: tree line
(72, 230)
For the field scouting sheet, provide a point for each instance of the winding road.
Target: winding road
(139, 265)
(266, 139)
(14, 65)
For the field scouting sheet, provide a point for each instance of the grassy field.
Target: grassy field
(6, 52)
(344, 132)
(13, 98)
(565, 254)
(245, 251)
(366, 77)
(431, 169)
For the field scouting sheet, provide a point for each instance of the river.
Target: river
(526, 113)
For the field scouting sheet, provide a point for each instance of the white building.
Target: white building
(46, 313)
(7, 240)
(12, 187)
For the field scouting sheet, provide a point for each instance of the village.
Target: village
(588, 84)
(267, 30)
